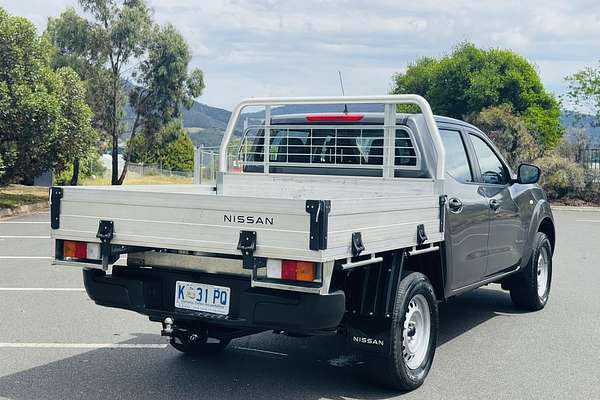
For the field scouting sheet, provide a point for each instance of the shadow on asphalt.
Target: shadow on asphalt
(313, 369)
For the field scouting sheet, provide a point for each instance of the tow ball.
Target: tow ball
(171, 330)
(167, 329)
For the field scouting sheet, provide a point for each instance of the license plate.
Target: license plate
(202, 297)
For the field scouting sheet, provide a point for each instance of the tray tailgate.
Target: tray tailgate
(186, 221)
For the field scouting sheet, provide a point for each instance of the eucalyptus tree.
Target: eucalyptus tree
(137, 71)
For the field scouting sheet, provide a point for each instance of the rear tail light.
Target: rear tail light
(81, 250)
(292, 270)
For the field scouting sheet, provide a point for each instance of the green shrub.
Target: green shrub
(90, 166)
(561, 177)
(509, 132)
(591, 192)
(170, 148)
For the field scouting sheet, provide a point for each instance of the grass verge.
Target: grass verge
(12, 196)
(134, 179)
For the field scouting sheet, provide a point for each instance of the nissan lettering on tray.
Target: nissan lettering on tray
(202, 297)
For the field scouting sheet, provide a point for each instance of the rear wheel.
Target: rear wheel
(412, 336)
(530, 289)
(197, 345)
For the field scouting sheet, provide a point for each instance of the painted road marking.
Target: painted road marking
(26, 258)
(83, 345)
(25, 222)
(15, 289)
(261, 351)
(112, 346)
(588, 220)
(24, 237)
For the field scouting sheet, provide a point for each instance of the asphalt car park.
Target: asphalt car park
(55, 343)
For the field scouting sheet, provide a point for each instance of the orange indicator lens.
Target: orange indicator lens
(74, 249)
(305, 271)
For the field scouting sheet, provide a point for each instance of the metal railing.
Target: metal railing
(589, 158)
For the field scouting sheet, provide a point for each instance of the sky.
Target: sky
(252, 48)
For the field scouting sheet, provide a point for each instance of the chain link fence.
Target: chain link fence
(589, 158)
(205, 170)
(156, 170)
(206, 164)
(137, 170)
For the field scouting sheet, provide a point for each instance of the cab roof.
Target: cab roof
(368, 118)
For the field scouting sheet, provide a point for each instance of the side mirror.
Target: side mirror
(528, 174)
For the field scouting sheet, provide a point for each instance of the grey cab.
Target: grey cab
(493, 213)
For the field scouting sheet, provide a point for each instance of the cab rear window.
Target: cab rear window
(333, 146)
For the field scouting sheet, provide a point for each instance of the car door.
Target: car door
(467, 214)
(505, 242)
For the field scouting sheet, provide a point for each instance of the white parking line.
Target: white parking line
(24, 237)
(26, 289)
(83, 345)
(261, 351)
(25, 222)
(25, 258)
(588, 220)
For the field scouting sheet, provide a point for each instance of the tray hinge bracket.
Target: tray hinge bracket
(56, 194)
(319, 223)
(247, 245)
(106, 230)
(443, 199)
(421, 235)
(357, 244)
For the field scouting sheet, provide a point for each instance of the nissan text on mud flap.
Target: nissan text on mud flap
(346, 223)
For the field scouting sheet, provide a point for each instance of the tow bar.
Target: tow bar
(171, 330)
(167, 329)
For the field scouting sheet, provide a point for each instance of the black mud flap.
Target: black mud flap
(372, 338)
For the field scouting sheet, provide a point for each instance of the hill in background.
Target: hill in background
(571, 119)
(205, 124)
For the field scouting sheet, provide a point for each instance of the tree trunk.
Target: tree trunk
(115, 133)
(129, 149)
(75, 176)
(124, 172)
(127, 160)
(115, 161)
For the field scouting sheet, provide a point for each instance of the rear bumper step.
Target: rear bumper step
(151, 292)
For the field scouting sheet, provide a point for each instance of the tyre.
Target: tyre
(412, 336)
(531, 288)
(196, 345)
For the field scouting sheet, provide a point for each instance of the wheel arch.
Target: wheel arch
(546, 226)
(541, 220)
(433, 266)
(370, 289)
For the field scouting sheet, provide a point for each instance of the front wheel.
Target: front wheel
(412, 335)
(530, 290)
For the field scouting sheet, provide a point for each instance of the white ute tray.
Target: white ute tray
(196, 218)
